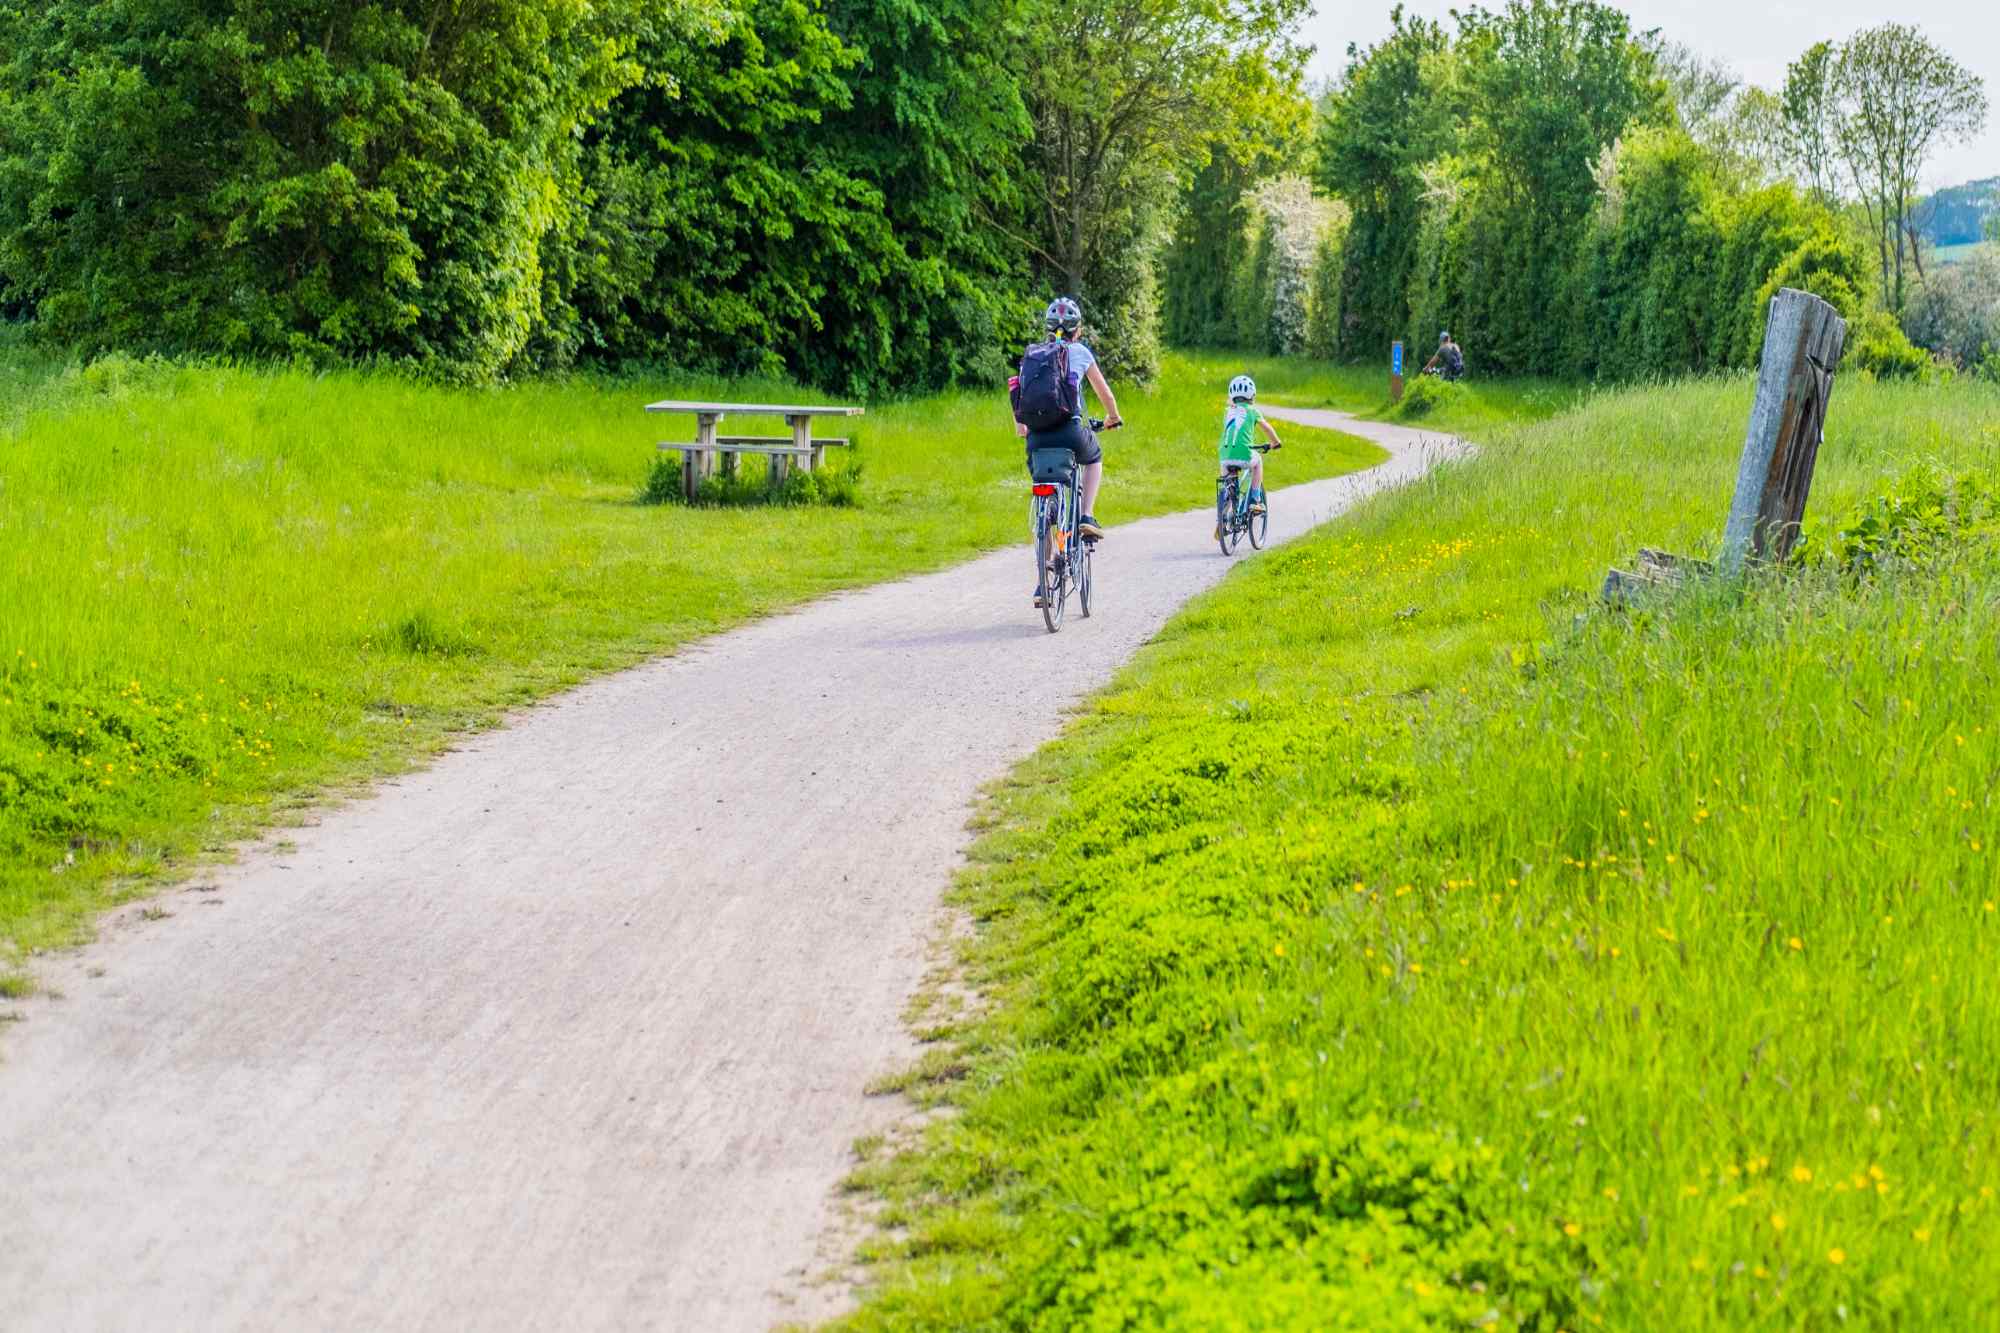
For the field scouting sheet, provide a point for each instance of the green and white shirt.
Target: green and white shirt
(1239, 429)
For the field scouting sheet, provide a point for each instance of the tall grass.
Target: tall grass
(221, 588)
(1407, 940)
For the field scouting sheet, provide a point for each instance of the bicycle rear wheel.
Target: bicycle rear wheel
(1058, 594)
(1055, 571)
(1225, 516)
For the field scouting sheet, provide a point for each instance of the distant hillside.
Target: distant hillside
(1957, 216)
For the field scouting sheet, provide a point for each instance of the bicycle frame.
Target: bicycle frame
(1233, 518)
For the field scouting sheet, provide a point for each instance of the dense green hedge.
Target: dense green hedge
(1527, 182)
(294, 177)
(776, 185)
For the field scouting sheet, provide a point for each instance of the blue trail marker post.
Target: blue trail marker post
(1396, 371)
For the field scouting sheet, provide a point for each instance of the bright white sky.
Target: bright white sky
(1757, 38)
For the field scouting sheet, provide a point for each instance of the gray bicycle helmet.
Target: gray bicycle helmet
(1063, 314)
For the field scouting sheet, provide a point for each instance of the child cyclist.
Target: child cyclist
(1240, 424)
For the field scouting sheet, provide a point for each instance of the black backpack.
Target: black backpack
(1048, 397)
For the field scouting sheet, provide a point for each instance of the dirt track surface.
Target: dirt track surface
(569, 1030)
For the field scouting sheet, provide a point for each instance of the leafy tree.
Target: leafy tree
(1554, 83)
(1901, 98)
(1704, 91)
(1323, 304)
(936, 124)
(1811, 112)
(1757, 135)
(297, 177)
(1957, 312)
(1204, 260)
(1394, 112)
(784, 199)
(1648, 303)
(1127, 99)
(1203, 266)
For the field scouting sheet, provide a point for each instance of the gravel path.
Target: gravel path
(570, 1029)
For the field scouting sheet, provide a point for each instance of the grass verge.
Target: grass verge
(222, 590)
(1404, 941)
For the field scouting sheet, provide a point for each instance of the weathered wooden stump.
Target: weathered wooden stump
(1803, 342)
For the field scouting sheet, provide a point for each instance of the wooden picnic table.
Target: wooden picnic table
(699, 458)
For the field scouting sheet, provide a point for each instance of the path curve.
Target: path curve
(570, 1029)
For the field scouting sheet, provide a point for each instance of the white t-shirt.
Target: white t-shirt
(1081, 359)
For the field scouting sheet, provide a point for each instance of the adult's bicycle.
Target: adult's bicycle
(1233, 519)
(1062, 554)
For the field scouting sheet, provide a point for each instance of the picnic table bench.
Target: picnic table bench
(700, 458)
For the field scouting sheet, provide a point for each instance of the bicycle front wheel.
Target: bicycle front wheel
(1260, 527)
(1083, 555)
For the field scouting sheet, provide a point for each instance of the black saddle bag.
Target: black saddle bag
(1051, 465)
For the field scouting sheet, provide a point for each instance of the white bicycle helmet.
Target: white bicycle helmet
(1063, 314)
(1243, 388)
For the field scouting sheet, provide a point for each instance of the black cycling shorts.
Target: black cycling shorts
(1074, 436)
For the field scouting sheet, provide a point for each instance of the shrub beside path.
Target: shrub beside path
(572, 1028)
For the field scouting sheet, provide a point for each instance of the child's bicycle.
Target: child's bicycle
(1062, 558)
(1233, 519)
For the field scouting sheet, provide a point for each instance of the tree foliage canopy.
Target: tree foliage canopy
(1572, 196)
(876, 195)
(297, 176)
(1899, 97)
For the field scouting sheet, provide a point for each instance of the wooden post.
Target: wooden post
(1803, 342)
(781, 464)
(700, 461)
(1396, 371)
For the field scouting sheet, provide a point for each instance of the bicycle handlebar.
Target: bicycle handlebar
(1097, 423)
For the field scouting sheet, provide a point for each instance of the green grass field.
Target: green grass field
(1405, 940)
(223, 590)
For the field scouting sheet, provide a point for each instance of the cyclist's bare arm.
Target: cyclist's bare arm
(1103, 391)
(1265, 422)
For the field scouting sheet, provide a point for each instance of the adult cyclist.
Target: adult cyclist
(1064, 321)
(1450, 359)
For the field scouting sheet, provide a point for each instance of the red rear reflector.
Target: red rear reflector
(1044, 488)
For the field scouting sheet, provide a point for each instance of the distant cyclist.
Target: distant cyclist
(1048, 402)
(1240, 423)
(1450, 358)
